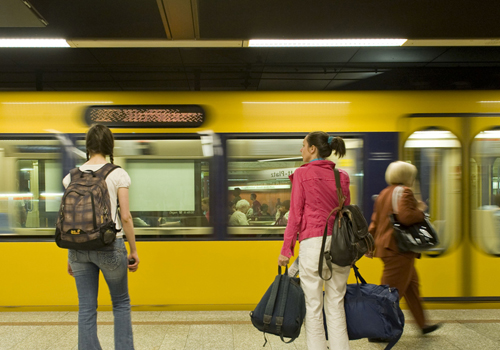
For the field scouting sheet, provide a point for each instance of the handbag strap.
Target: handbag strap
(396, 195)
(326, 255)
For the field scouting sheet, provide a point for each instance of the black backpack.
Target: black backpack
(282, 309)
(350, 236)
(85, 221)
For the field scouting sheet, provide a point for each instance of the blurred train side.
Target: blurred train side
(233, 274)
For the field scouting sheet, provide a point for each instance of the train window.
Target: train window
(437, 156)
(258, 171)
(169, 195)
(485, 191)
(30, 186)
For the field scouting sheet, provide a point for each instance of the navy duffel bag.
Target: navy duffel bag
(282, 309)
(373, 311)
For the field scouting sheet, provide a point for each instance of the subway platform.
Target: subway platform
(232, 330)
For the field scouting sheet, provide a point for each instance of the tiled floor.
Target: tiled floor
(162, 330)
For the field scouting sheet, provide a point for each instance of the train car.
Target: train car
(186, 149)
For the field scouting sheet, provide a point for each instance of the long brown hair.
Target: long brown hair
(100, 140)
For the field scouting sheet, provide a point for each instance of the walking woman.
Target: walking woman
(314, 195)
(399, 268)
(112, 260)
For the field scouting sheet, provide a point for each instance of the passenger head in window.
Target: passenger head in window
(284, 211)
(256, 206)
(401, 173)
(205, 207)
(236, 195)
(239, 217)
(264, 211)
(318, 145)
(100, 140)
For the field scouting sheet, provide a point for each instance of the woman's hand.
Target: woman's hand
(70, 271)
(134, 266)
(283, 260)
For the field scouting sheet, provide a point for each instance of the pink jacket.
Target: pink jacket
(314, 195)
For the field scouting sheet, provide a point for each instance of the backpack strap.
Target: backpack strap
(106, 170)
(323, 254)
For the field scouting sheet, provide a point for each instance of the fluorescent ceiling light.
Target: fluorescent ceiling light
(33, 43)
(298, 102)
(326, 42)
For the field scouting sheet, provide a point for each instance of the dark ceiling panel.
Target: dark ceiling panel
(292, 84)
(131, 19)
(15, 13)
(280, 19)
(470, 54)
(297, 73)
(397, 54)
(310, 55)
(140, 57)
(58, 57)
(224, 56)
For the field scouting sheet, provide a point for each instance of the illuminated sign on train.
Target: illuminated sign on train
(146, 116)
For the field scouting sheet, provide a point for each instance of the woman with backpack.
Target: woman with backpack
(314, 195)
(399, 268)
(112, 260)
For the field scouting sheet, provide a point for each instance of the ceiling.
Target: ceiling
(108, 35)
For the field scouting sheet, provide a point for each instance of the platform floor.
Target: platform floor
(168, 330)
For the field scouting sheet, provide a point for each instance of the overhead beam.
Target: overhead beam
(180, 18)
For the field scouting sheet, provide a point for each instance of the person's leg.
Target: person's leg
(412, 297)
(399, 272)
(113, 264)
(334, 308)
(87, 283)
(312, 285)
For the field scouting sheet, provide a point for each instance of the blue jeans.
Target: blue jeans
(112, 261)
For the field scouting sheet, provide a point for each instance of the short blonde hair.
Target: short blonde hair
(242, 203)
(204, 201)
(400, 173)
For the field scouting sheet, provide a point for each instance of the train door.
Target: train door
(433, 146)
(484, 207)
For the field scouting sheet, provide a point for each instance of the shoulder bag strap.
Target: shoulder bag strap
(396, 195)
(281, 310)
(323, 254)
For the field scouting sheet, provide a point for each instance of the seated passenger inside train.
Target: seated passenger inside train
(239, 217)
(284, 210)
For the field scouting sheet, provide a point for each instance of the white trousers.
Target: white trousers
(335, 289)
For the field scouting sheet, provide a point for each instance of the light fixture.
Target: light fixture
(325, 42)
(33, 43)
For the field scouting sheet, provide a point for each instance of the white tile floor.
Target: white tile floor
(232, 330)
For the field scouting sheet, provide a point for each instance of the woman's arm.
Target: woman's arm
(408, 211)
(297, 203)
(128, 226)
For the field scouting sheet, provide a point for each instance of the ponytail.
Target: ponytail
(326, 144)
(337, 145)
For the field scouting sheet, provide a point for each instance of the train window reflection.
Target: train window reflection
(485, 191)
(259, 188)
(170, 178)
(30, 186)
(436, 154)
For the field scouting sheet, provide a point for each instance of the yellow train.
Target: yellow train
(181, 147)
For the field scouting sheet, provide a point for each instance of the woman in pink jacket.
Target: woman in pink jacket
(314, 195)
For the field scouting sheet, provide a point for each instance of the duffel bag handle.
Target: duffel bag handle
(358, 275)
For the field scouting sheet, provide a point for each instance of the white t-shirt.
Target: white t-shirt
(116, 179)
